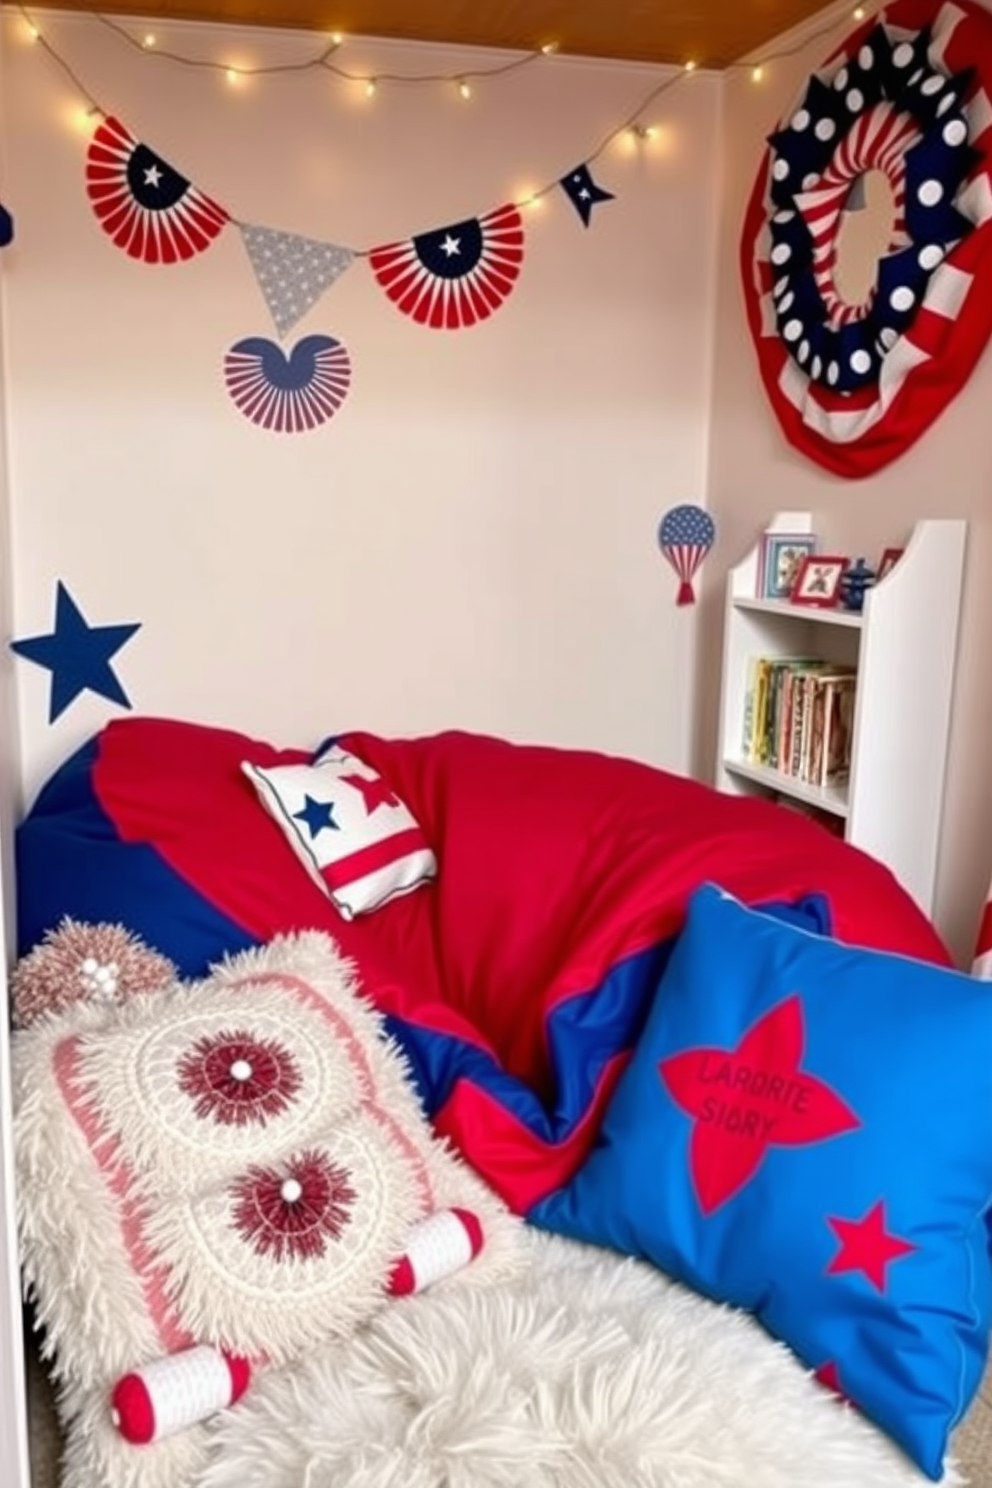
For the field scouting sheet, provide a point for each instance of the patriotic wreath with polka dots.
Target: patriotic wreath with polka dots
(907, 95)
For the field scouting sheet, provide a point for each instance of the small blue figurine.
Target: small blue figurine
(855, 583)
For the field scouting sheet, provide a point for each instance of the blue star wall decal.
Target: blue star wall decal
(317, 815)
(77, 655)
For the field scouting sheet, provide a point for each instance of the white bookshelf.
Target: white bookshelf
(903, 645)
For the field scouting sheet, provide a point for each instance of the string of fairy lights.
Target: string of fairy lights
(465, 81)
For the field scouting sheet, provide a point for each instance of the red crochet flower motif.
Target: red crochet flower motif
(295, 1211)
(236, 1078)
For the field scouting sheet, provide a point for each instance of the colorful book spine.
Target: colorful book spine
(798, 717)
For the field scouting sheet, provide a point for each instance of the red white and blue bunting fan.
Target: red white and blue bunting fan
(143, 203)
(454, 276)
(854, 385)
(446, 279)
(685, 536)
(288, 394)
(6, 227)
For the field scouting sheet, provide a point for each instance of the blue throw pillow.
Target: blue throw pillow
(805, 1131)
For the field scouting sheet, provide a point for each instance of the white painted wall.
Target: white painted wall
(470, 542)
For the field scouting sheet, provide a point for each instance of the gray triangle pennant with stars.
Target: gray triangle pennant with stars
(292, 272)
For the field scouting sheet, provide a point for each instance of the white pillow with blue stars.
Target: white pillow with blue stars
(351, 832)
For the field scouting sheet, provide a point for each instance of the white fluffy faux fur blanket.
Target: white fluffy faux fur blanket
(585, 1372)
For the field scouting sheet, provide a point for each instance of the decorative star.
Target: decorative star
(77, 655)
(451, 246)
(866, 1245)
(375, 792)
(316, 815)
(748, 1099)
(153, 176)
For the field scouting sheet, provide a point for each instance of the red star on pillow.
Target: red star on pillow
(376, 792)
(748, 1099)
(866, 1245)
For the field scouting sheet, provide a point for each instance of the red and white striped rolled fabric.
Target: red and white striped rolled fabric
(438, 1246)
(168, 1394)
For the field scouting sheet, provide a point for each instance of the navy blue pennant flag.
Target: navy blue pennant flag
(582, 191)
(6, 227)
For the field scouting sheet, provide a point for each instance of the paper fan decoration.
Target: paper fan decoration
(288, 393)
(457, 275)
(685, 537)
(147, 208)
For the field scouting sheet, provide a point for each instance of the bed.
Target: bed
(645, 1018)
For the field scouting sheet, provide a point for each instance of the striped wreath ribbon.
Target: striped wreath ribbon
(854, 385)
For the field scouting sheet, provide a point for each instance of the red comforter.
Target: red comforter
(519, 980)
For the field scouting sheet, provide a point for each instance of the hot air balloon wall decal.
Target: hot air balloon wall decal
(685, 535)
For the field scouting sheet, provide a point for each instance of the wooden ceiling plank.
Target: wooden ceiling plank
(712, 33)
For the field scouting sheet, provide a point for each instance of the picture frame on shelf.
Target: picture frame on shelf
(818, 581)
(890, 557)
(782, 555)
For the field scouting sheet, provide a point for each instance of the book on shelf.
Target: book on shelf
(798, 716)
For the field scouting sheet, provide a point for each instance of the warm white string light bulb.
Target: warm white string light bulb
(631, 126)
(324, 60)
(149, 44)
